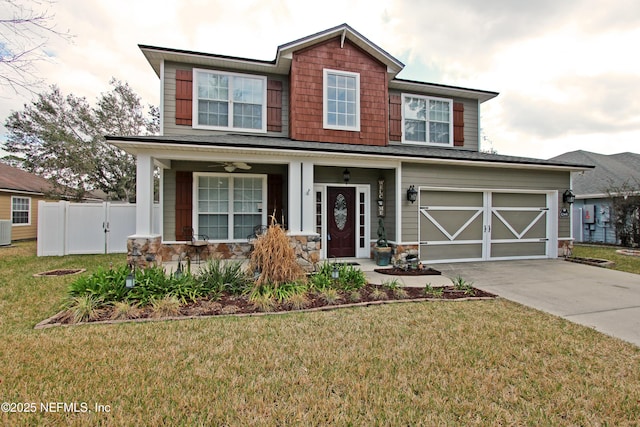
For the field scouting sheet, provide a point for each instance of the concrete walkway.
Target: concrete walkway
(604, 299)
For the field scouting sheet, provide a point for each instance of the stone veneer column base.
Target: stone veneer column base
(144, 251)
(307, 249)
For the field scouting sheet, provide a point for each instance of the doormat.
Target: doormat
(396, 271)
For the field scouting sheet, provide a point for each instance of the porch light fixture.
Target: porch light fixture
(412, 194)
(130, 281)
(346, 175)
(568, 197)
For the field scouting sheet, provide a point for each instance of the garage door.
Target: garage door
(482, 225)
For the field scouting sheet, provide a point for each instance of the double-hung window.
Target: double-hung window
(427, 120)
(227, 101)
(341, 100)
(229, 207)
(20, 210)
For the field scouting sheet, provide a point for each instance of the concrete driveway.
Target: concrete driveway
(606, 300)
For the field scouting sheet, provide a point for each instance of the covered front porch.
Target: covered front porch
(330, 204)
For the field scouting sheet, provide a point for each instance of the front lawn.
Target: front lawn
(630, 264)
(451, 363)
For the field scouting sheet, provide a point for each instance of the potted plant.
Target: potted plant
(382, 251)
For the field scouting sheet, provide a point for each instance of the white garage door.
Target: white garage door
(483, 225)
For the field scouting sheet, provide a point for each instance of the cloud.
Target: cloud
(594, 104)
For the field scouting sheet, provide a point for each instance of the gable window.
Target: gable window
(427, 120)
(229, 207)
(20, 210)
(230, 101)
(341, 100)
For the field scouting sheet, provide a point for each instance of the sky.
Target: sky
(568, 72)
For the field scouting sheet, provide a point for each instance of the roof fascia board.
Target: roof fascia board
(481, 95)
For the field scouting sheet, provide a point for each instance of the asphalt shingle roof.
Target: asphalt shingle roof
(394, 150)
(19, 180)
(611, 171)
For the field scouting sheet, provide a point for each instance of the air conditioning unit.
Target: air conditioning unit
(5, 232)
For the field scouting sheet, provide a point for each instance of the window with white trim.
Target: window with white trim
(229, 101)
(341, 100)
(229, 207)
(427, 120)
(20, 210)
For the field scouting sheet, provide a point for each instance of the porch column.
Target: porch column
(308, 199)
(295, 199)
(144, 195)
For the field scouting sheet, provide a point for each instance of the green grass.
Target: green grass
(457, 363)
(630, 264)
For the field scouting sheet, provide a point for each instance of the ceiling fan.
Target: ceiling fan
(231, 166)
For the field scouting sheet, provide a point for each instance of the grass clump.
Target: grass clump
(84, 308)
(274, 259)
(166, 307)
(123, 310)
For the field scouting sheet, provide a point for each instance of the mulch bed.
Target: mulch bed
(60, 272)
(397, 271)
(240, 305)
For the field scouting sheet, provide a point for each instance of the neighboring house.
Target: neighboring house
(593, 214)
(20, 192)
(328, 139)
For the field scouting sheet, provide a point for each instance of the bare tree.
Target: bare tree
(24, 35)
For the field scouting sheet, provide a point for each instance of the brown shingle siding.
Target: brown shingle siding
(306, 94)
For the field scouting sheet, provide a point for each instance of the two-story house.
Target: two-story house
(328, 139)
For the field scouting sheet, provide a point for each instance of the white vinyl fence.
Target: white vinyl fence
(87, 228)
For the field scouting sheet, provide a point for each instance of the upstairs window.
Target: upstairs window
(20, 210)
(341, 100)
(427, 120)
(230, 101)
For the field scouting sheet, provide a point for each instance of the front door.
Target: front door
(341, 228)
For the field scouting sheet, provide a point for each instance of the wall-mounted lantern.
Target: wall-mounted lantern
(412, 194)
(568, 197)
(346, 175)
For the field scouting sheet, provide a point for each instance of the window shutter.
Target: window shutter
(184, 97)
(184, 203)
(395, 118)
(458, 124)
(274, 105)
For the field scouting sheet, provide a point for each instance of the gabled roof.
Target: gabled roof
(284, 55)
(611, 171)
(394, 66)
(17, 180)
(278, 146)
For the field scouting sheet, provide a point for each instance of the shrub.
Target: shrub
(349, 277)
(274, 258)
(218, 276)
(108, 285)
